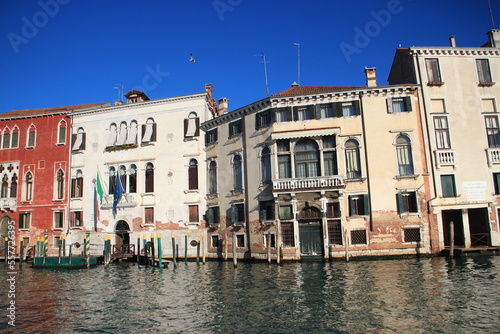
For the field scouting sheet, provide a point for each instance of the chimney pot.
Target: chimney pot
(453, 42)
(223, 106)
(371, 76)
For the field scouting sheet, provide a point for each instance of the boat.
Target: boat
(64, 262)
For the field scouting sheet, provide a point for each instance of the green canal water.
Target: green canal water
(431, 295)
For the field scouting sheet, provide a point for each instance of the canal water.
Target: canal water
(430, 295)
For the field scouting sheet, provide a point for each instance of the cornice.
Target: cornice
(454, 51)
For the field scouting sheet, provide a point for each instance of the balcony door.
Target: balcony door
(311, 239)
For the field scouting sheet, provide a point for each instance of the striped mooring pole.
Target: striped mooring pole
(45, 245)
(87, 248)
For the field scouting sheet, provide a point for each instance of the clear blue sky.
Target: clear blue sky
(64, 52)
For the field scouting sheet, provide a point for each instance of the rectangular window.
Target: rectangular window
(358, 237)
(57, 242)
(213, 216)
(215, 241)
(407, 202)
(398, 105)
(77, 187)
(350, 108)
(411, 235)
(262, 119)
(283, 115)
(496, 183)
(148, 132)
(75, 218)
(240, 240)
(442, 132)
(483, 71)
(235, 128)
(286, 212)
(211, 137)
(31, 138)
(78, 141)
(149, 216)
(193, 214)
(58, 220)
(325, 111)
(191, 126)
(433, 72)
(488, 105)
(269, 240)
(303, 114)
(24, 220)
(62, 135)
(15, 139)
(266, 210)
(359, 205)
(238, 213)
(284, 166)
(6, 140)
(492, 131)
(287, 234)
(448, 186)
(333, 210)
(334, 232)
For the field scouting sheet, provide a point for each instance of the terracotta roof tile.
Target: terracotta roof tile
(49, 111)
(304, 90)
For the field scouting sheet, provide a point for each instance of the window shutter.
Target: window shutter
(73, 187)
(407, 100)
(257, 121)
(295, 114)
(143, 132)
(272, 116)
(210, 216)
(352, 207)
(400, 203)
(82, 145)
(186, 124)
(366, 205)
(153, 135)
(317, 112)
(197, 132)
(262, 213)
(234, 213)
(357, 109)
(389, 105)
(337, 109)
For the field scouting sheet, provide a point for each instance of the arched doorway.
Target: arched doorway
(310, 232)
(122, 230)
(4, 227)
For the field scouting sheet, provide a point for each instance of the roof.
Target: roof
(50, 111)
(305, 90)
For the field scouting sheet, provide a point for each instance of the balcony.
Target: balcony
(493, 156)
(8, 204)
(318, 182)
(445, 158)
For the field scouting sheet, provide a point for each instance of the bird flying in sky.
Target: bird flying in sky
(191, 58)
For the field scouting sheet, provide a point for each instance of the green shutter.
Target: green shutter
(400, 203)
(366, 205)
(352, 207)
(337, 109)
(407, 100)
(357, 108)
(210, 216)
(389, 105)
(234, 213)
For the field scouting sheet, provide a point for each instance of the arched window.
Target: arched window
(15, 137)
(112, 180)
(122, 134)
(112, 135)
(6, 138)
(193, 174)
(13, 186)
(31, 136)
(265, 165)
(133, 179)
(61, 133)
(28, 184)
(77, 185)
(353, 165)
(404, 155)
(132, 134)
(149, 131)
(237, 172)
(150, 178)
(191, 125)
(306, 158)
(79, 140)
(5, 186)
(60, 184)
(123, 177)
(212, 177)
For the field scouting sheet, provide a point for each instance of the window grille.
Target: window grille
(358, 237)
(411, 234)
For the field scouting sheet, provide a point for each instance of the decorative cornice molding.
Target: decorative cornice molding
(454, 51)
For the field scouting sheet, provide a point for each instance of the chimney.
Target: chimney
(494, 38)
(118, 102)
(295, 84)
(453, 43)
(371, 76)
(223, 106)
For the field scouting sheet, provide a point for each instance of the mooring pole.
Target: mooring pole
(160, 252)
(106, 249)
(45, 245)
(59, 252)
(87, 248)
(21, 245)
(198, 252)
(346, 241)
(63, 245)
(174, 260)
(5, 248)
(268, 248)
(153, 249)
(145, 249)
(235, 259)
(139, 249)
(452, 239)
(70, 246)
(185, 247)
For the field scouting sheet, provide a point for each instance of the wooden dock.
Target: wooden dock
(466, 251)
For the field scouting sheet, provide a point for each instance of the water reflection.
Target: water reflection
(398, 296)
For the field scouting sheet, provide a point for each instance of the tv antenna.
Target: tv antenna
(491, 14)
(298, 62)
(265, 70)
(119, 87)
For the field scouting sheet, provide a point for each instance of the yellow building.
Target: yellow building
(460, 99)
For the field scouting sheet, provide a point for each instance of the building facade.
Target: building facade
(34, 167)
(319, 172)
(460, 99)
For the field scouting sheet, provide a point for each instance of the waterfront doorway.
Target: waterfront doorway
(122, 230)
(454, 216)
(311, 240)
(4, 227)
(479, 227)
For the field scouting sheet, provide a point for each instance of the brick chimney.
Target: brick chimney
(371, 76)
(223, 106)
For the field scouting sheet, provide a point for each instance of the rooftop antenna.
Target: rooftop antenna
(265, 70)
(298, 62)
(491, 14)
(119, 87)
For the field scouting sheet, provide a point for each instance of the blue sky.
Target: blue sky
(64, 52)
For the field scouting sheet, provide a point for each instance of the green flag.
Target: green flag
(98, 187)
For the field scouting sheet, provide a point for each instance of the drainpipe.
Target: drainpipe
(361, 111)
(68, 179)
(245, 178)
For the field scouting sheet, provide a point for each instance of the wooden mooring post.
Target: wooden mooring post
(152, 249)
(235, 258)
(139, 249)
(160, 252)
(268, 248)
(346, 241)
(452, 239)
(5, 250)
(185, 247)
(21, 251)
(174, 258)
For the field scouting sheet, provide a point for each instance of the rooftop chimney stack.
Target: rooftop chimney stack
(371, 76)
(223, 106)
(494, 38)
(453, 43)
(118, 102)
